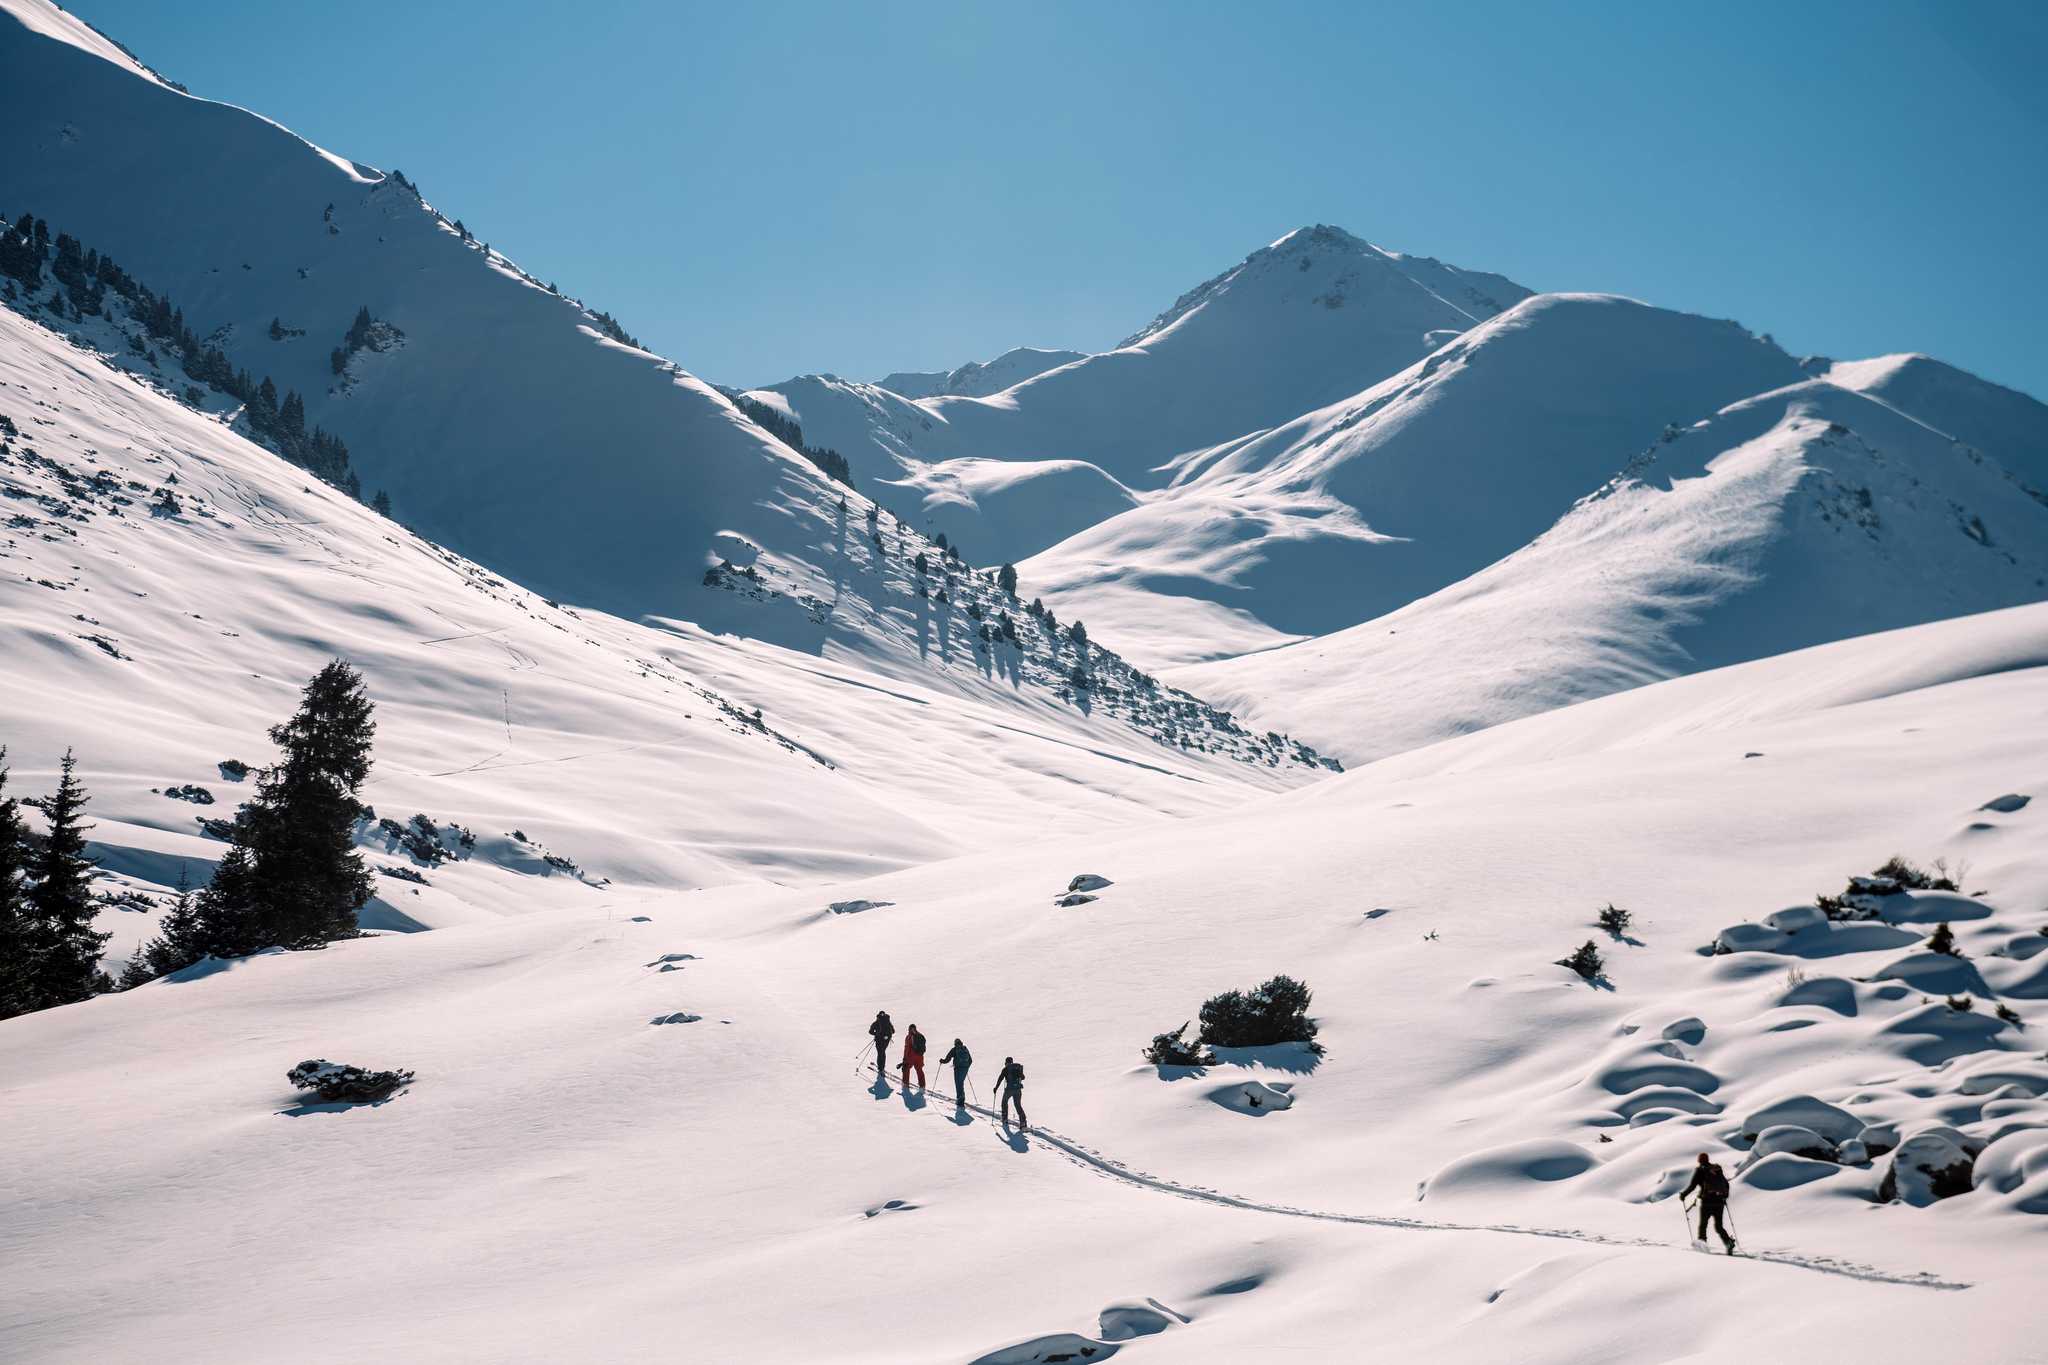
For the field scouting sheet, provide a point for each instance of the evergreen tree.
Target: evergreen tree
(1006, 579)
(382, 502)
(177, 943)
(64, 945)
(17, 944)
(293, 876)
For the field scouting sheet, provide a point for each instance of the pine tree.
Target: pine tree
(60, 906)
(382, 503)
(1943, 940)
(16, 943)
(176, 943)
(293, 876)
(1006, 579)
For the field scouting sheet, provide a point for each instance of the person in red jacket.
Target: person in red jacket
(913, 1056)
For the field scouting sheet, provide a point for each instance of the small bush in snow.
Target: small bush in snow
(233, 769)
(1962, 1004)
(1274, 1012)
(1586, 961)
(1174, 1049)
(1943, 940)
(1912, 878)
(1615, 920)
(2010, 1015)
(337, 1083)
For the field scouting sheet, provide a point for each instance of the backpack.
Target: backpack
(1713, 1182)
(1014, 1074)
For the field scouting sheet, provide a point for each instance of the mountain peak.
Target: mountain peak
(1325, 266)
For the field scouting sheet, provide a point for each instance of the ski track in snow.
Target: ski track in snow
(1110, 1168)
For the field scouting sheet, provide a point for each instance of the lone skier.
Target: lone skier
(882, 1030)
(961, 1059)
(913, 1056)
(1010, 1086)
(1712, 1183)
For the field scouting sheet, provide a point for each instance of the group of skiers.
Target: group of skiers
(1708, 1181)
(1009, 1081)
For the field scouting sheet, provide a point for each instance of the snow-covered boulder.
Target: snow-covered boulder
(1934, 973)
(1688, 1030)
(1791, 1137)
(1254, 1097)
(1878, 1138)
(2017, 1164)
(1794, 918)
(1784, 1171)
(1816, 1116)
(1510, 1169)
(1750, 938)
(1088, 881)
(1932, 1164)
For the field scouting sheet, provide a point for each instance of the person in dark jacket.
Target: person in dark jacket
(1010, 1086)
(882, 1030)
(913, 1056)
(1712, 1184)
(961, 1059)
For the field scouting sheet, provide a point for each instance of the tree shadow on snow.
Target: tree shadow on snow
(306, 1108)
(1296, 1058)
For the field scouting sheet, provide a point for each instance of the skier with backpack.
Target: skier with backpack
(882, 1030)
(961, 1059)
(1010, 1086)
(913, 1056)
(1712, 1184)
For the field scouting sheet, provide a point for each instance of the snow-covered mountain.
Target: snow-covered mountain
(1801, 515)
(976, 379)
(1313, 317)
(170, 585)
(690, 757)
(507, 422)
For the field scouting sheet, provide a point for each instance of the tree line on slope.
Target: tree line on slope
(81, 280)
(830, 462)
(291, 877)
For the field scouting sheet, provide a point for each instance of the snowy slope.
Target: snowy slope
(1479, 1169)
(1807, 514)
(169, 587)
(504, 424)
(1360, 507)
(2003, 423)
(1298, 324)
(976, 379)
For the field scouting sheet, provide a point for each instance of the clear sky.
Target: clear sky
(762, 189)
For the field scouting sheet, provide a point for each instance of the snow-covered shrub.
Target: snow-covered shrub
(1943, 940)
(1275, 1012)
(2009, 1015)
(233, 769)
(336, 1082)
(1962, 1004)
(1585, 960)
(1174, 1049)
(1615, 920)
(197, 795)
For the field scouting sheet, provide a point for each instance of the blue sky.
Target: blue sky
(762, 189)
